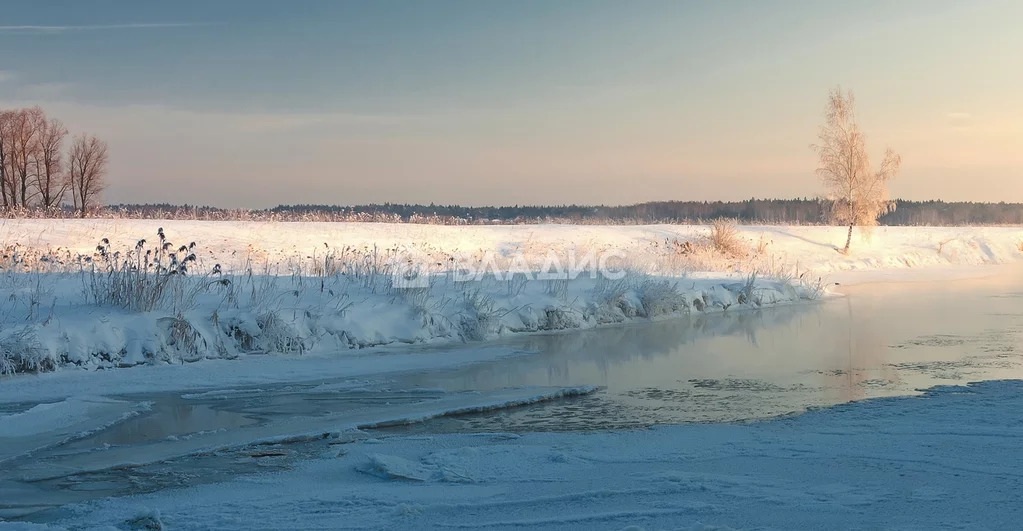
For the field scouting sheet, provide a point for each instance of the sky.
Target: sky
(261, 102)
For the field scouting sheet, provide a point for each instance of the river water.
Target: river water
(879, 339)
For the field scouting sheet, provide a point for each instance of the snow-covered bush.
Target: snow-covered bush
(20, 351)
(479, 316)
(661, 297)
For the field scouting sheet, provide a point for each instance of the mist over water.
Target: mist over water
(880, 339)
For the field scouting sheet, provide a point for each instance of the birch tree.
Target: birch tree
(858, 195)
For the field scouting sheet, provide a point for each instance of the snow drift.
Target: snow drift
(96, 293)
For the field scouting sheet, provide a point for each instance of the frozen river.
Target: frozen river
(881, 339)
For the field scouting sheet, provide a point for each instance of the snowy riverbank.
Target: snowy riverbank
(97, 293)
(285, 246)
(947, 458)
(82, 446)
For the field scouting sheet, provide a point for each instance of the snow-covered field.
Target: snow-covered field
(286, 246)
(313, 292)
(946, 459)
(303, 288)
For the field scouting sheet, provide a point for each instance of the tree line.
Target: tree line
(37, 172)
(800, 211)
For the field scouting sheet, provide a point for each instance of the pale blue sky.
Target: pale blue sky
(257, 103)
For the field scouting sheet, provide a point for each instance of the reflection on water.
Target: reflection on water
(879, 340)
(171, 418)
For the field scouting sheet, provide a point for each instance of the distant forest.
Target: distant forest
(752, 211)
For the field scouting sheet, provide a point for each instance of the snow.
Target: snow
(49, 424)
(290, 429)
(218, 375)
(238, 245)
(306, 288)
(946, 458)
(44, 417)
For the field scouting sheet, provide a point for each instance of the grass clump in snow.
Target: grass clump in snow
(724, 237)
(20, 352)
(142, 279)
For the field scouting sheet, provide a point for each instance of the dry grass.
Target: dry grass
(724, 236)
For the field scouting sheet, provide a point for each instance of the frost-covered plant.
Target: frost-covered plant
(141, 279)
(747, 291)
(183, 337)
(416, 297)
(517, 284)
(660, 297)
(560, 318)
(610, 291)
(813, 288)
(858, 194)
(479, 316)
(21, 352)
(277, 335)
(557, 288)
(724, 236)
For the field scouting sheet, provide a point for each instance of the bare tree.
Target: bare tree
(50, 182)
(87, 169)
(6, 156)
(25, 128)
(858, 195)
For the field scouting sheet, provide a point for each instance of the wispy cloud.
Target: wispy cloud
(7, 75)
(50, 29)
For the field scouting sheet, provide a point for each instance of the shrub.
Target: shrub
(724, 236)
